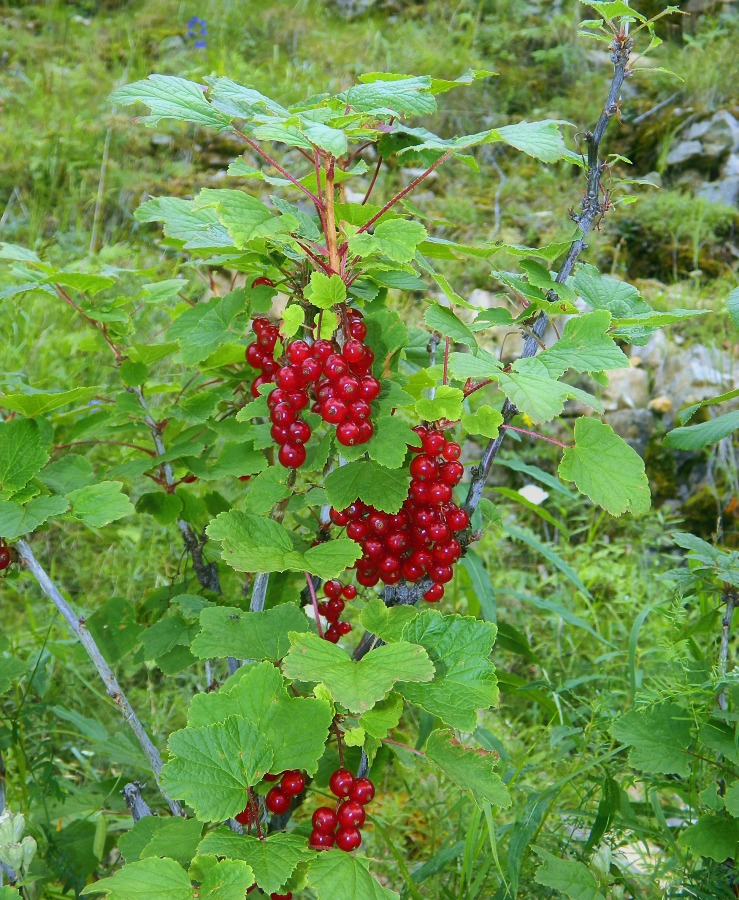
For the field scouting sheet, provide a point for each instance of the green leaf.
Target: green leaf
(443, 320)
(334, 874)
(571, 878)
(621, 299)
(39, 404)
(459, 647)
(542, 140)
(194, 228)
(273, 860)
(211, 767)
(388, 446)
(17, 520)
(227, 880)
(606, 469)
(585, 346)
(720, 736)
(203, 328)
(80, 281)
(379, 721)
(469, 768)
(67, 474)
(292, 319)
(695, 437)
(243, 215)
(226, 631)
(255, 544)
(165, 508)
(99, 504)
(446, 404)
(17, 253)
(164, 879)
(23, 453)
(484, 421)
(151, 836)
(407, 96)
(366, 480)
(396, 239)
(10, 671)
(610, 10)
(170, 98)
(731, 799)
(659, 735)
(355, 685)
(326, 292)
(530, 387)
(388, 622)
(732, 304)
(296, 728)
(713, 836)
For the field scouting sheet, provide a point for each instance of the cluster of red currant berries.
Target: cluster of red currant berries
(336, 383)
(340, 826)
(5, 557)
(278, 798)
(333, 606)
(420, 539)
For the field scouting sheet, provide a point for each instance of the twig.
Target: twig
(535, 434)
(137, 806)
(77, 625)
(731, 598)
(272, 162)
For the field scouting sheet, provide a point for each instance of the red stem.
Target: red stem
(291, 178)
(314, 599)
(535, 434)
(372, 183)
(404, 746)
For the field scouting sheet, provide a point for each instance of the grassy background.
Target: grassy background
(569, 657)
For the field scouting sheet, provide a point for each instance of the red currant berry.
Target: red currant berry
(441, 574)
(410, 571)
(332, 589)
(348, 388)
(451, 473)
(338, 517)
(397, 542)
(321, 350)
(357, 530)
(434, 593)
(341, 783)
(348, 434)
(288, 378)
(293, 783)
(358, 330)
(322, 607)
(283, 414)
(269, 777)
(287, 896)
(276, 801)
(363, 791)
(373, 548)
(257, 383)
(244, 477)
(332, 634)
(335, 367)
(448, 553)
(280, 434)
(246, 816)
(379, 523)
(262, 281)
(422, 558)
(298, 399)
(353, 351)
(270, 368)
(277, 396)
(344, 627)
(434, 442)
(440, 533)
(457, 519)
(334, 411)
(310, 369)
(439, 493)
(351, 814)
(292, 456)
(360, 411)
(400, 520)
(324, 820)
(451, 451)
(369, 578)
(388, 565)
(299, 433)
(321, 841)
(424, 468)
(297, 351)
(424, 517)
(334, 609)
(268, 338)
(369, 388)
(348, 839)
(255, 355)
(348, 592)
(259, 324)
(418, 492)
(366, 430)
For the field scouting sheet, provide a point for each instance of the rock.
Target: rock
(721, 136)
(724, 191)
(350, 9)
(731, 166)
(654, 352)
(661, 405)
(684, 152)
(694, 374)
(627, 389)
(635, 426)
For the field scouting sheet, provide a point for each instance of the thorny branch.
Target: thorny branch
(115, 691)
